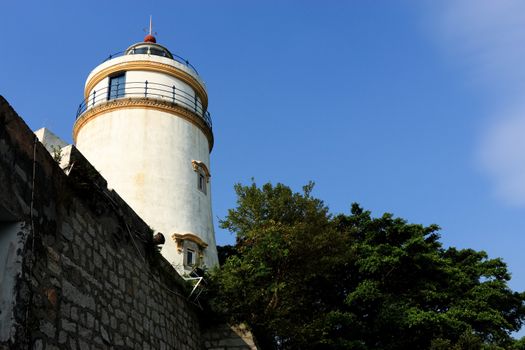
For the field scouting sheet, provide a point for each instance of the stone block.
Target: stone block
(74, 313)
(91, 231)
(62, 337)
(85, 332)
(48, 329)
(113, 321)
(69, 326)
(83, 345)
(113, 278)
(20, 172)
(97, 260)
(75, 296)
(90, 320)
(67, 231)
(104, 317)
(120, 314)
(103, 252)
(105, 335)
(118, 339)
(129, 342)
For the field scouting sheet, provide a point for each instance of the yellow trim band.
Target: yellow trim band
(145, 103)
(153, 67)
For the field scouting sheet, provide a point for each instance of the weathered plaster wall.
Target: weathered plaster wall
(87, 275)
(51, 142)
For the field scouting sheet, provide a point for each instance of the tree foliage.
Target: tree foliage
(302, 278)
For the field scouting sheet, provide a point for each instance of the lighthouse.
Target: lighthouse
(145, 127)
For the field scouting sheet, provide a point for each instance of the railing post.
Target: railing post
(146, 89)
(195, 101)
(94, 92)
(173, 93)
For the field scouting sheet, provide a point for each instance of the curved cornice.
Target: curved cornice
(198, 165)
(148, 66)
(144, 103)
(190, 237)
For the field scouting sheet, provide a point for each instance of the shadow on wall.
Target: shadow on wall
(12, 238)
(227, 337)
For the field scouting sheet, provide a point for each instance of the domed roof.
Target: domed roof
(148, 47)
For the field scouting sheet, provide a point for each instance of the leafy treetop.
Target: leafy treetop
(303, 279)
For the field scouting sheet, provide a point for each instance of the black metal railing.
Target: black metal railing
(177, 58)
(163, 92)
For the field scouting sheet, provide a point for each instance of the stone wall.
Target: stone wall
(79, 269)
(227, 337)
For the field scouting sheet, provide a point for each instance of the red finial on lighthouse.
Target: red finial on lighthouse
(150, 38)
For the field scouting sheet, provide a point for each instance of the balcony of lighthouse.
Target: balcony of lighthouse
(146, 71)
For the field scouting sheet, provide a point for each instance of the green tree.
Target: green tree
(302, 278)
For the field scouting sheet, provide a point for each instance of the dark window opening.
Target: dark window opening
(190, 257)
(117, 86)
(141, 51)
(201, 182)
(157, 52)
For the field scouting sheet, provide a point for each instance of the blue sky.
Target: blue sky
(414, 108)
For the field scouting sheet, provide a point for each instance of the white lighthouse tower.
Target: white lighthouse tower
(144, 125)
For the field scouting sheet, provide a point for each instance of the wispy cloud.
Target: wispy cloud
(488, 38)
(502, 153)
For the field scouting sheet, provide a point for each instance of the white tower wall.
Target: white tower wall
(153, 151)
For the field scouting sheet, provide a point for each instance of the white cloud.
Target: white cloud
(502, 154)
(488, 38)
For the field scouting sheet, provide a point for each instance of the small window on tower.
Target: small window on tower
(191, 249)
(190, 257)
(117, 86)
(201, 182)
(203, 175)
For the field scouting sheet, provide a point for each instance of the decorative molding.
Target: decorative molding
(199, 166)
(179, 238)
(152, 67)
(144, 103)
